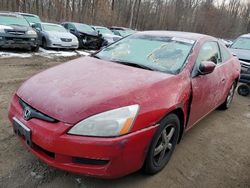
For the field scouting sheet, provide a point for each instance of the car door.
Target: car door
(206, 89)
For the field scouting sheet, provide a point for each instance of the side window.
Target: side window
(70, 26)
(66, 26)
(224, 53)
(116, 32)
(209, 52)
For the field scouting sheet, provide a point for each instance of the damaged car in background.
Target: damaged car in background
(107, 34)
(55, 36)
(122, 31)
(241, 48)
(15, 32)
(88, 38)
(125, 107)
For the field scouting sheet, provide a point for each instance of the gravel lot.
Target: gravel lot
(215, 153)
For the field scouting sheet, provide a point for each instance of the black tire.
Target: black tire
(44, 43)
(244, 90)
(227, 103)
(35, 49)
(161, 150)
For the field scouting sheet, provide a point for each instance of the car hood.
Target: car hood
(94, 33)
(86, 86)
(15, 28)
(61, 34)
(241, 53)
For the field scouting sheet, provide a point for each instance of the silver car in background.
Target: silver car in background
(55, 36)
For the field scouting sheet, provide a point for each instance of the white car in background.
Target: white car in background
(55, 36)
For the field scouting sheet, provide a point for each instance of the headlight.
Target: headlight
(31, 32)
(115, 122)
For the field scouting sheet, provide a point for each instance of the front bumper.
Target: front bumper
(63, 45)
(101, 157)
(11, 41)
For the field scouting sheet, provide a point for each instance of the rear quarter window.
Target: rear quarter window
(225, 53)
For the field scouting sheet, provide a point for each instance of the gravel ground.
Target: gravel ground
(215, 153)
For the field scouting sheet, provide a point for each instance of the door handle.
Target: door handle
(223, 80)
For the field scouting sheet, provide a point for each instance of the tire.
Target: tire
(227, 103)
(44, 43)
(244, 90)
(35, 49)
(162, 145)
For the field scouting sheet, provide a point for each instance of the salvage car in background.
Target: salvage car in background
(107, 34)
(122, 31)
(127, 106)
(88, 38)
(31, 18)
(241, 48)
(55, 36)
(15, 32)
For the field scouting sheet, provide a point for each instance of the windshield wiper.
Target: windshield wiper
(95, 56)
(134, 65)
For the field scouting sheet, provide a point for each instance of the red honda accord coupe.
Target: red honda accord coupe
(125, 107)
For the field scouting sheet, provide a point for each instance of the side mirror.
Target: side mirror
(72, 31)
(33, 25)
(206, 67)
(38, 29)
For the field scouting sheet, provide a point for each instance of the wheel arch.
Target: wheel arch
(180, 113)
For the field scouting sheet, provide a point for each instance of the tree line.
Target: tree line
(220, 18)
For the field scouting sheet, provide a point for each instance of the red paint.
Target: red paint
(86, 86)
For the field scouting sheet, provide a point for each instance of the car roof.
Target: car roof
(74, 23)
(181, 34)
(7, 13)
(27, 14)
(120, 28)
(246, 35)
(51, 24)
(96, 26)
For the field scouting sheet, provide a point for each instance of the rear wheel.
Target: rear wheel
(244, 90)
(162, 145)
(227, 103)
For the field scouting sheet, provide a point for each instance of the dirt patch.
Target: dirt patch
(215, 153)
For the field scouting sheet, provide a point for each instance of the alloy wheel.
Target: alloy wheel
(164, 145)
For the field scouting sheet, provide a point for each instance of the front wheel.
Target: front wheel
(44, 44)
(162, 145)
(35, 48)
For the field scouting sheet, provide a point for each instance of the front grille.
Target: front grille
(245, 60)
(17, 39)
(16, 32)
(29, 113)
(66, 40)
